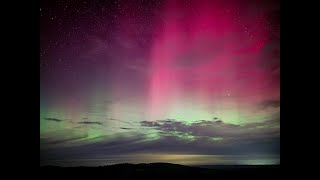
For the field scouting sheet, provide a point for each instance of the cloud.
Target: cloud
(115, 144)
(274, 103)
(133, 143)
(53, 119)
(90, 122)
(119, 120)
(216, 137)
(170, 136)
(211, 129)
(60, 136)
(125, 128)
(269, 57)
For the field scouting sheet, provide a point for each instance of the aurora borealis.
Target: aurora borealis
(181, 81)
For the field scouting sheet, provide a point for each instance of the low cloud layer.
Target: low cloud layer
(171, 136)
(216, 129)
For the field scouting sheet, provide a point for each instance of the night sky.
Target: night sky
(180, 81)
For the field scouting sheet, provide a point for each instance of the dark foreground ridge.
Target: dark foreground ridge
(167, 169)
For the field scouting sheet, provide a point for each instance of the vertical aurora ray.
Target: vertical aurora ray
(198, 60)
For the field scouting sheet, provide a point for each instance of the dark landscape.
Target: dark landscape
(167, 169)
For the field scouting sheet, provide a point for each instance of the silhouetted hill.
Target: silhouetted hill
(166, 169)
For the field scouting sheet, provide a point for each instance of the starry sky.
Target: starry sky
(180, 81)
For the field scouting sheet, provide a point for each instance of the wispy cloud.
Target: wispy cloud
(270, 103)
(125, 128)
(53, 119)
(60, 136)
(211, 129)
(90, 122)
(119, 120)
